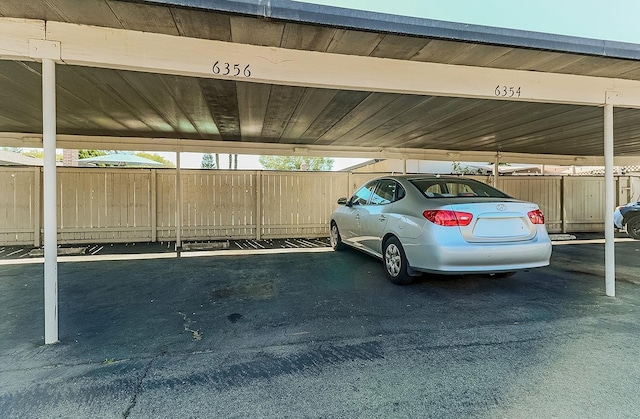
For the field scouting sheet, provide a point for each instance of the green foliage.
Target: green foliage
(85, 154)
(155, 157)
(457, 168)
(38, 153)
(296, 163)
(207, 161)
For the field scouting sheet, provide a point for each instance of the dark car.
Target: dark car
(628, 216)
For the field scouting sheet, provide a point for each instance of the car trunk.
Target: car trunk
(499, 221)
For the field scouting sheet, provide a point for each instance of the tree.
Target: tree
(207, 161)
(84, 154)
(457, 168)
(34, 152)
(296, 163)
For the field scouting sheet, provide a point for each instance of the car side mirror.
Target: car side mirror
(343, 201)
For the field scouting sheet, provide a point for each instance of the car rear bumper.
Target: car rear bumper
(472, 258)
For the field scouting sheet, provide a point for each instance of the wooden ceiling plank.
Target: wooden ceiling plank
(354, 43)
(472, 127)
(440, 51)
(144, 17)
(86, 12)
(253, 99)
(195, 24)
(188, 96)
(393, 110)
(220, 99)
(245, 30)
(283, 101)
(342, 103)
(32, 9)
(407, 121)
(451, 123)
(365, 105)
(449, 113)
(399, 47)
(480, 55)
(310, 107)
(306, 37)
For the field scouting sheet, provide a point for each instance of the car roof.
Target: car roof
(425, 177)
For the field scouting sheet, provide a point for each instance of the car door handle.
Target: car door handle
(382, 218)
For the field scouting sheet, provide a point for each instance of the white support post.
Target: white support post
(496, 170)
(404, 166)
(610, 268)
(178, 205)
(50, 203)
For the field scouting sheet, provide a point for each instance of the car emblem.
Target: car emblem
(501, 207)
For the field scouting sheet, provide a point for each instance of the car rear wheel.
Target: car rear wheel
(633, 227)
(395, 262)
(334, 236)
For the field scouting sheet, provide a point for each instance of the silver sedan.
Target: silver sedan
(441, 224)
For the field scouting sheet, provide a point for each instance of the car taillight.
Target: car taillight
(536, 217)
(448, 218)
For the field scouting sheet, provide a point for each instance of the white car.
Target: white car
(441, 224)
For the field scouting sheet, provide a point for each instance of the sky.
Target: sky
(245, 162)
(613, 20)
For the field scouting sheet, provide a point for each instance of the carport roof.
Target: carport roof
(118, 103)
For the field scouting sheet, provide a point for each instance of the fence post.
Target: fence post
(563, 206)
(154, 205)
(258, 204)
(37, 207)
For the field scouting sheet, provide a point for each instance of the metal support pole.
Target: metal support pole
(609, 246)
(404, 166)
(178, 205)
(496, 170)
(50, 205)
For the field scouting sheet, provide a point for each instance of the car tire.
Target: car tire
(395, 262)
(633, 227)
(335, 238)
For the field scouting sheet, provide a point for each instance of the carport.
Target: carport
(291, 78)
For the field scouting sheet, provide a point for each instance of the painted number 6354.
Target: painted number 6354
(507, 91)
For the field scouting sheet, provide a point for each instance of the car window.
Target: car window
(384, 193)
(362, 195)
(446, 188)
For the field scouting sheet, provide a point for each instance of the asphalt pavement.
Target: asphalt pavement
(321, 334)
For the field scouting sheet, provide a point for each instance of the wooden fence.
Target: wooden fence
(97, 205)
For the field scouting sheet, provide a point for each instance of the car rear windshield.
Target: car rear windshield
(449, 188)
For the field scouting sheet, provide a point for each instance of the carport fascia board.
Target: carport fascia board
(13, 139)
(167, 54)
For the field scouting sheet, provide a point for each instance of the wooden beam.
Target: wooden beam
(237, 147)
(167, 54)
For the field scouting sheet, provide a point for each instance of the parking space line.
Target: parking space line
(143, 256)
(591, 241)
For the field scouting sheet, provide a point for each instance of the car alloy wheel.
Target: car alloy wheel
(633, 227)
(392, 260)
(395, 262)
(334, 237)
